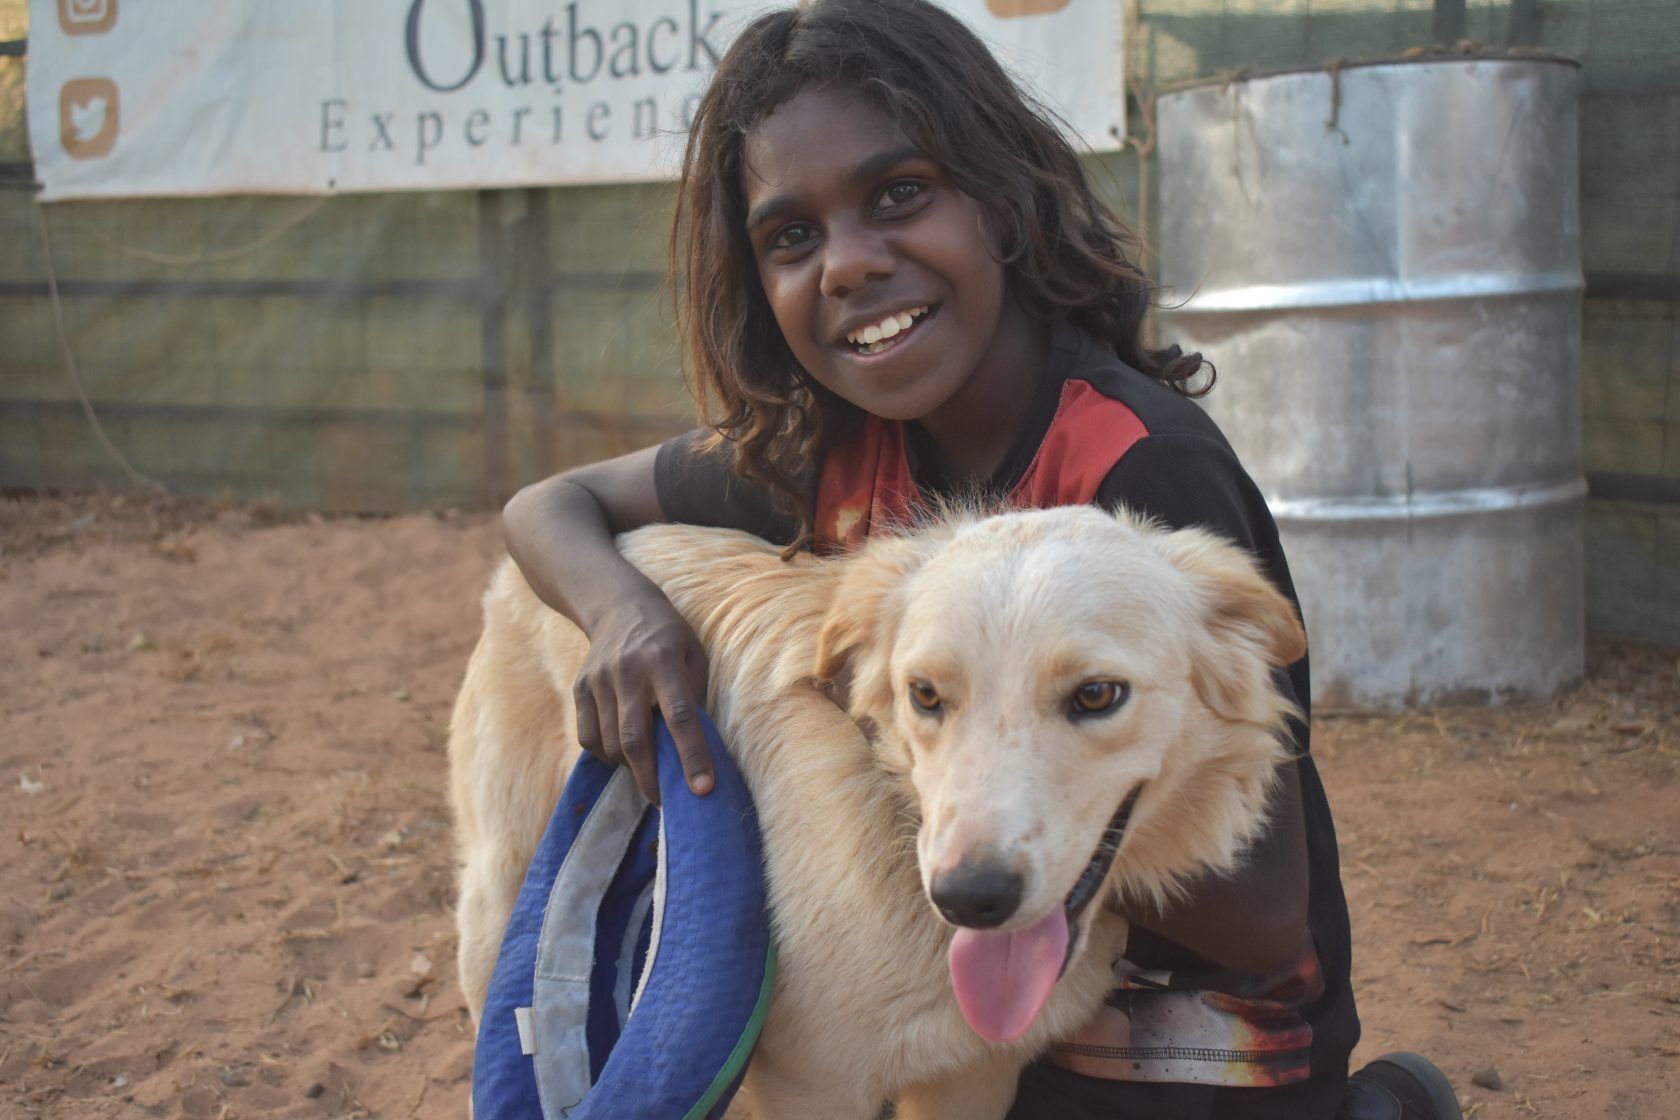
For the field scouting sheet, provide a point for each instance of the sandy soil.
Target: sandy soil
(225, 868)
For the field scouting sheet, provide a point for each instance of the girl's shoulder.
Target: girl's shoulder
(1172, 462)
(696, 480)
(1160, 409)
(1096, 418)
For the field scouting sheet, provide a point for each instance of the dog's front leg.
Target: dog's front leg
(978, 1092)
(775, 1091)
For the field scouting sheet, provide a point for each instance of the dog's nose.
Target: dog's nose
(979, 894)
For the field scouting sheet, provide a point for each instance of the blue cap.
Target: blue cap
(638, 964)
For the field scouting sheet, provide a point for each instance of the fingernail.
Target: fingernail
(702, 784)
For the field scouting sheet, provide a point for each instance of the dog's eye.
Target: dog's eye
(924, 696)
(1093, 698)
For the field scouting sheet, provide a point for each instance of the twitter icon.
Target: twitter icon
(88, 117)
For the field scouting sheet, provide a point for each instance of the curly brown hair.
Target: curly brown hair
(1067, 254)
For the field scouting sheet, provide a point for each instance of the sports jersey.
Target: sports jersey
(1099, 432)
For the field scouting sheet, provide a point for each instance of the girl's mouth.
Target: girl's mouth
(891, 331)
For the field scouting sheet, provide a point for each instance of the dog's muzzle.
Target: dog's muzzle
(1091, 879)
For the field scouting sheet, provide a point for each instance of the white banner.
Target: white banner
(194, 97)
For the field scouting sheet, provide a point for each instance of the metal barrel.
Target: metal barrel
(1384, 263)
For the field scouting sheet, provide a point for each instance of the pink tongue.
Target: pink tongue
(1003, 979)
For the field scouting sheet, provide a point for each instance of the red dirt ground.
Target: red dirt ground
(226, 871)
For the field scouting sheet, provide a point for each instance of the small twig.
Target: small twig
(1330, 125)
(421, 1018)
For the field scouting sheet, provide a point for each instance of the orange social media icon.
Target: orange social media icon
(88, 117)
(86, 17)
(1010, 9)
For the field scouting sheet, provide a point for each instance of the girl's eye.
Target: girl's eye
(902, 192)
(792, 237)
(1095, 698)
(925, 697)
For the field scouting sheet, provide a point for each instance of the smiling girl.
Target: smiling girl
(896, 284)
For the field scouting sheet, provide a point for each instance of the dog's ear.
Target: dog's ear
(1250, 628)
(856, 638)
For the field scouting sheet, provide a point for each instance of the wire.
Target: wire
(219, 255)
(74, 374)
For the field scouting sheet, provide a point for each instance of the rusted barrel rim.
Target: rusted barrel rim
(1338, 66)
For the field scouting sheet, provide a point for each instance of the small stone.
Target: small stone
(315, 1090)
(1489, 1079)
(140, 641)
(30, 786)
(421, 965)
(232, 1076)
(119, 1082)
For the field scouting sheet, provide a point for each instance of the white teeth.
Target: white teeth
(886, 328)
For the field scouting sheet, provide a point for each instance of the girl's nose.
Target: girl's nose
(854, 256)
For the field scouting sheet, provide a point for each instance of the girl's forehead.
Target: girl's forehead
(830, 102)
(818, 131)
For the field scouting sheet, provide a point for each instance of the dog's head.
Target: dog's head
(1082, 703)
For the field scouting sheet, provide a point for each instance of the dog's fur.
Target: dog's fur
(1006, 617)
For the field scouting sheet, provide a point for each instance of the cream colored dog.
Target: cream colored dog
(1020, 684)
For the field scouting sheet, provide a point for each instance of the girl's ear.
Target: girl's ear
(855, 644)
(1248, 627)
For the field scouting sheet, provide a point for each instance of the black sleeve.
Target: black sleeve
(1186, 479)
(700, 487)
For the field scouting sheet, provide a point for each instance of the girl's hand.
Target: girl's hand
(643, 654)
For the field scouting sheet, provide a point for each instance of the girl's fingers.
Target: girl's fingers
(681, 709)
(696, 669)
(589, 722)
(635, 742)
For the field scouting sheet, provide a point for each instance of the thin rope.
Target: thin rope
(217, 256)
(1145, 148)
(72, 371)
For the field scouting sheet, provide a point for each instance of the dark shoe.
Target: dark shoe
(1399, 1086)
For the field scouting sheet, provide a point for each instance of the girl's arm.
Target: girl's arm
(1254, 920)
(642, 653)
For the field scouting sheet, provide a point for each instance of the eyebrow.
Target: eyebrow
(870, 169)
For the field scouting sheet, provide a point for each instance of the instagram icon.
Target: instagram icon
(86, 17)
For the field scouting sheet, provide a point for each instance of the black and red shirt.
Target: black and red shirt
(1099, 432)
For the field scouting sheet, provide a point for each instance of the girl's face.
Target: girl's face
(884, 277)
